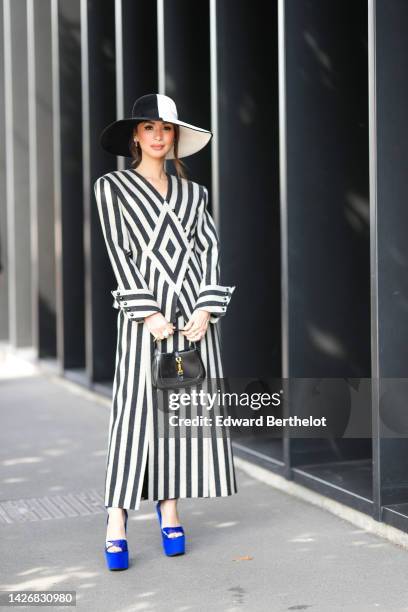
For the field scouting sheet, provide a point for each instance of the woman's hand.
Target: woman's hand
(196, 327)
(158, 325)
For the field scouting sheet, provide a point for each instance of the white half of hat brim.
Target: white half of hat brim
(191, 140)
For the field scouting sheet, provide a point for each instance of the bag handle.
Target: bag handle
(178, 329)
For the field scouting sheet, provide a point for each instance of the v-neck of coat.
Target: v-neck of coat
(165, 198)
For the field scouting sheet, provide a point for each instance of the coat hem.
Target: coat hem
(155, 499)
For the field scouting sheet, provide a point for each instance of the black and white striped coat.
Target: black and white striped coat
(165, 256)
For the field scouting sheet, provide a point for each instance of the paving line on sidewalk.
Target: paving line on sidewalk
(50, 507)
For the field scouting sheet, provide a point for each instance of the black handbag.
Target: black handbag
(175, 369)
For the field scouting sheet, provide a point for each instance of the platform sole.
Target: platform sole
(117, 560)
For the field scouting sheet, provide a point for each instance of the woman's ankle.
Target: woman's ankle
(116, 515)
(117, 511)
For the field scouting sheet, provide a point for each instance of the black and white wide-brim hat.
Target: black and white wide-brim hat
(117, 136)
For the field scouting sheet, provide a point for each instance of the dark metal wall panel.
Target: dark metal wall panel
(248, 195)
(389, 194)
(187, 74)
(328, 205)
(99, 109)
(136, 57)
(326, 220)
(41, 179)
(17, 165)
(67, 112)
(392, 185)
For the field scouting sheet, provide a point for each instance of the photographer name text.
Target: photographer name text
(260, 421)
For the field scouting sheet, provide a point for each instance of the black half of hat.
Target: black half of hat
(117, 136)
(146, 105)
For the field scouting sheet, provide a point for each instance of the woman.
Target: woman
(164, 250)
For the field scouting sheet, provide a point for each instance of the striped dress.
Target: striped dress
(164, 253)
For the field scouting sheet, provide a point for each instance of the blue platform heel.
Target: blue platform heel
(171, 546)
(117, 560)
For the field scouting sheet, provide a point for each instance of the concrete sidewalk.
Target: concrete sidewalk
(52, 523)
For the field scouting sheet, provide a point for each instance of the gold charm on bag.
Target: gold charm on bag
(179, 366)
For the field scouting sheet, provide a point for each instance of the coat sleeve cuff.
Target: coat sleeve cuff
(215, 299)
(136, 303)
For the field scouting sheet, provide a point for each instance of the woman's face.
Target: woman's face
(155, 137)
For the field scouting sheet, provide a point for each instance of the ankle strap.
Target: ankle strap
(167, 530)
(121, 543)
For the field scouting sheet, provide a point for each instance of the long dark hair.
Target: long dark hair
(136, 152)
